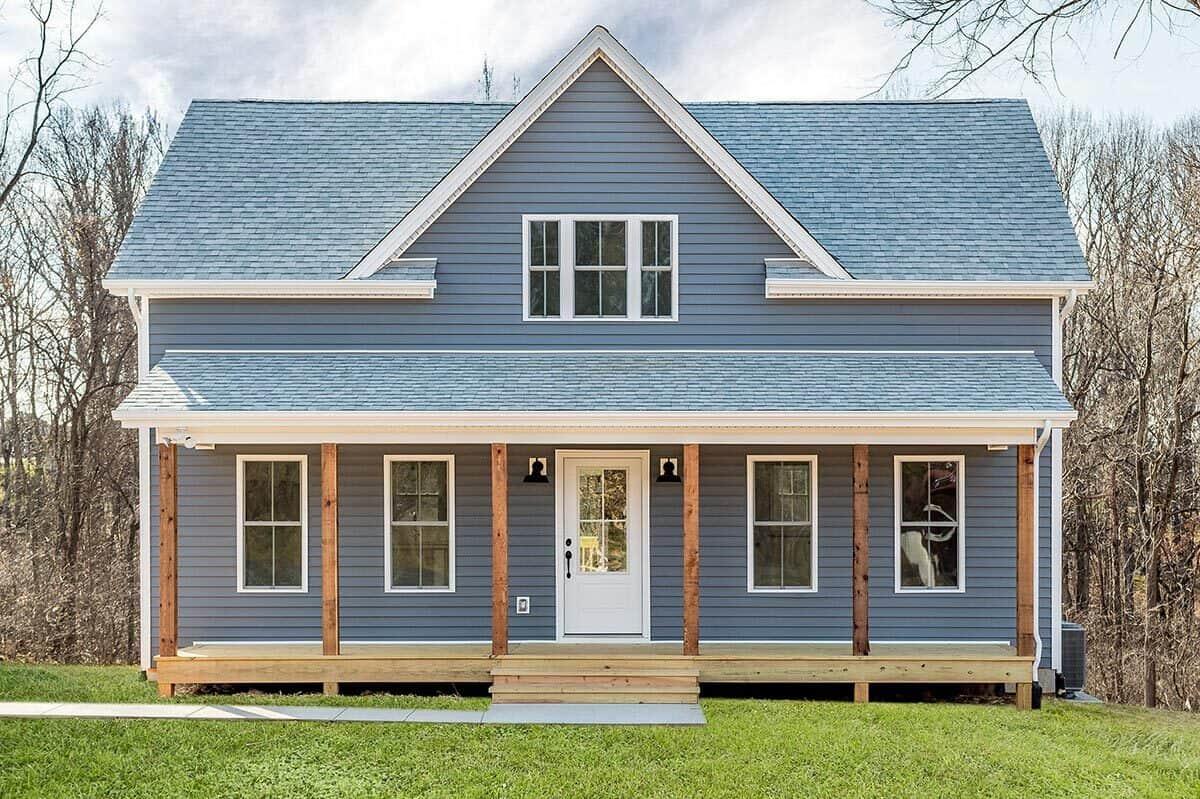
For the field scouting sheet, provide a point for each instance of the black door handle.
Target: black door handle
(567, 555)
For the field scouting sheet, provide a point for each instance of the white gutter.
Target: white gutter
(363, 289)
(798, 288)
(134, 417)
(1047, 429)
(1068, 305)
(134, 308)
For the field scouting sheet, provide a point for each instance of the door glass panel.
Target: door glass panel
(603, 514)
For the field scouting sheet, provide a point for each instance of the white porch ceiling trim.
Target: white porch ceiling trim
(204, 429)
(209, 436)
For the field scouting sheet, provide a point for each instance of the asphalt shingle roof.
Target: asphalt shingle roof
(894, 190)
(716, 381)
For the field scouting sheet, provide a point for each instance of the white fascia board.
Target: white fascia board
(598, 44)
(219, 435)
(394, 289)
(682, 420)
(797, 288)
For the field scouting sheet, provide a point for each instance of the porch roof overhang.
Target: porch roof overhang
(586, 396)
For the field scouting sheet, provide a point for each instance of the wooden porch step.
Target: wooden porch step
(592, 682)
(551, 675)
(607, 665)
(591, 679)
(600, 697)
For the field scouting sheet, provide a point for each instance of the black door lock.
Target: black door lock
(567, 555)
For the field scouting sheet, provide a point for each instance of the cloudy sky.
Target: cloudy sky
(162, 53)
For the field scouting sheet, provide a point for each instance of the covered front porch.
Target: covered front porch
(684, 601)
(641, 667)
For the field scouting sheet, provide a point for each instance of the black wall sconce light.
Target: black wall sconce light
(537, 471)
(668, 470)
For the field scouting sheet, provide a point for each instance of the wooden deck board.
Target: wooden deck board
(714, 650)
(717, 662)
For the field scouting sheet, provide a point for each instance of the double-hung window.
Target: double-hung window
(544, 271)
(601, 271)
(658, 284)
(929, 523)
(272, 529)
(419, 522)
(782, 511)
(600, 267)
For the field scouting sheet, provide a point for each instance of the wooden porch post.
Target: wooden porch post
(499, 549)
(168, 547)
(691, 549)
(861, 560)
(1026, 552)
(330, 607)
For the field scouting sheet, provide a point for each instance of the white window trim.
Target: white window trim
(566, 266)
(750, 461)
(961, 460)
(242, 460)
(388, 460)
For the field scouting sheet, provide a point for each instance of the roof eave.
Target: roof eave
(357, 289)
(1020, 419)
(799, 288)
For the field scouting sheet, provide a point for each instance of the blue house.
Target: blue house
(601, 396)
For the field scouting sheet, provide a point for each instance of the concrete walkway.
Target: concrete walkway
(680, 715)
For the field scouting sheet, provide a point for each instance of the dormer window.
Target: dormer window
(658, 283)
(544, 270)
(600, 267)
(601, 275)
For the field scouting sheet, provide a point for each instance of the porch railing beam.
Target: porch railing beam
(499, 549)
(330, 599)
(168, 564)
(691, 549)
(1026, 552)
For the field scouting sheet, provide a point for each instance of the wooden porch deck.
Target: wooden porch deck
(474, 663)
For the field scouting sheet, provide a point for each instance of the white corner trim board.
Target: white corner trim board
(362, 289)
(599, 44)
(801, 288)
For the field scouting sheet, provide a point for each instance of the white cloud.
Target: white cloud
(162, 54)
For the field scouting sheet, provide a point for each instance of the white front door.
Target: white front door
(601, 540)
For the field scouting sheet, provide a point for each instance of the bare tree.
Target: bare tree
(966, 36)
(1132, 368)
(41, 82)
(68, 503)
(487, 81)
(486, 88)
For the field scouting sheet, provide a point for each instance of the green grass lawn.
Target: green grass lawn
(770, 747)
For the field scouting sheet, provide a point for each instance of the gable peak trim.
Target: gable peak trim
(598, 45)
